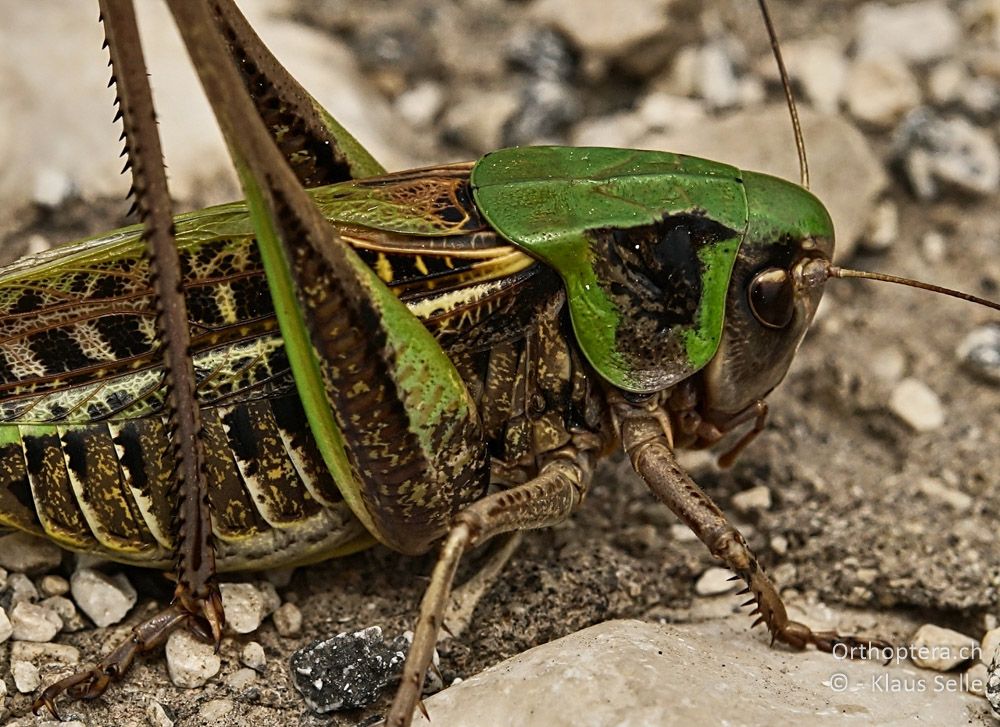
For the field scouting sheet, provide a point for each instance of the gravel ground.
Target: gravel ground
(873, 491)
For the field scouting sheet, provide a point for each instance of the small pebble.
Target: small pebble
(682, 533)
(946, 81)
(190, 662)
(954, 498)
(989, 644)
(214, 710)
(779, 544)
(105, 599)
(44, 653)
(934, 247)
(288, 620)
(933, 647)
(157, 715)
(24, 553)
(21, 589)
(241, 679)
(25, 675)
(279, 577)
(883, 228)
(975, 679)
(714, 582)
(979, 352)
(269, 596)
(756, 498)
(888, 364)
(244, 607)
(917, 405)
(34, 622)
(914, 31)
(71, 619)
(53, 586)
(3, 578)
(421, 104)
(253, 656)
(936, 151)
(6, 630)
(880, 90)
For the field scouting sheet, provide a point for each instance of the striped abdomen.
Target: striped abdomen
(106, 488)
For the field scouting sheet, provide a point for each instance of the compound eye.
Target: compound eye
(772, 298)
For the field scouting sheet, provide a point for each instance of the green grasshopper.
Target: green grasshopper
(301, 375)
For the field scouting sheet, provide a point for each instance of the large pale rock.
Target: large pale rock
(846, 174)
(633, 674)
(56, 133)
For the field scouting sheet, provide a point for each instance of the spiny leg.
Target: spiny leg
(197, 593)
(547, 499)
(647, 447)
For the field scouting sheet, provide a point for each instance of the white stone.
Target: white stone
(933, 647)
(589, 24)
(269, 596)
(25, 675)
(953, 498)
(421, 104)
(6, 630)
(715, 581)
(880, 90)
(975, 679)
(477, 117)
(818, 65)
(883, 227)
(44, 653)
(988, 645)
(659, 110)
(288, 620)
(71, 620)
(946, 81)
(933, 246)
(716, 80)
(917, 405)
(241, 679)
(33, 622)
(21, 588)
(190, 662)
(888, 364)
(915, 31)
(756, 498)
(243, 605)
(554, 684)
(214, 710)
(53, 586)
(157, 715)
(253, 656)
(24, 553)
(105, 599)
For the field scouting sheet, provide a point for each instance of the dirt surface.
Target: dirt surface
(851, 523)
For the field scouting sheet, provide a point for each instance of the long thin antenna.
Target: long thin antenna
(800, 143)
(837, 272)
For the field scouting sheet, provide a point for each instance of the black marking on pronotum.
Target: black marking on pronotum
(654, 270)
